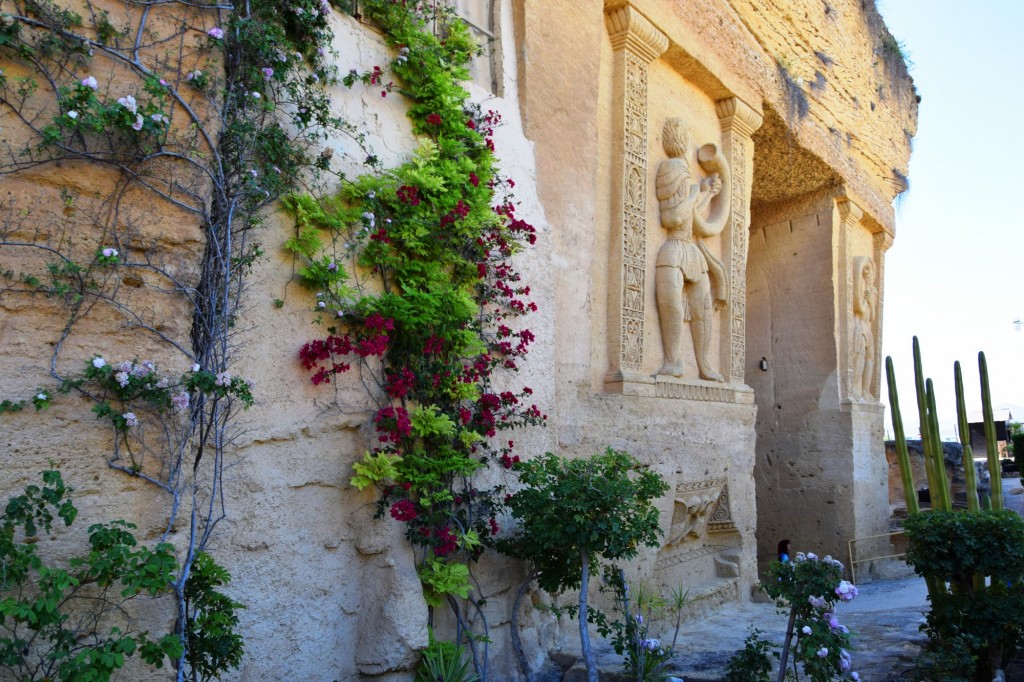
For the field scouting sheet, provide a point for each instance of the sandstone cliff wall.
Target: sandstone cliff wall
(331, 593)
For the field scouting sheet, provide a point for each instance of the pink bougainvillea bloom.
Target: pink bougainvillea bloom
(268, 73)
(215, 33)
(90, 82)
(139, 121)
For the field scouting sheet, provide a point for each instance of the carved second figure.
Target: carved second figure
(865, 296)
(690, 283)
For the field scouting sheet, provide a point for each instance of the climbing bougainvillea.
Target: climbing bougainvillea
(445, 310)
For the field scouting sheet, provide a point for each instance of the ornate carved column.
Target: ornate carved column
(636, 42)
(739, 121)
(850, 215)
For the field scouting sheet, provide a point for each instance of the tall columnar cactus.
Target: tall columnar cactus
(938, 483)
(994, 470)
(934, 462)
(902, 456)
(970, 475)
(934, 489)
(937, 454)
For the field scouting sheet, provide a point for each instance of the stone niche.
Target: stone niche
(815, 278)
(681, 166)
(679, 172)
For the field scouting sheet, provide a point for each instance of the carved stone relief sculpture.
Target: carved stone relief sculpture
(865, 299)
(690, 283)
(694, 504)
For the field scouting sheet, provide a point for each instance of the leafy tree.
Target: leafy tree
(575, 513)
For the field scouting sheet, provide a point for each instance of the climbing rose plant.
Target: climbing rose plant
(811, 588)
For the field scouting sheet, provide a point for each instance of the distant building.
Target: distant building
(976, 429)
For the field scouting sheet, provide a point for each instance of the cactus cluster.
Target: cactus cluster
(972, 561)
(935, 471)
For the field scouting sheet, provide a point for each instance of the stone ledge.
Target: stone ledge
(861, 406)
(654, 386)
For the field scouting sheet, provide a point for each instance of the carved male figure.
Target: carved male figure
(865, 296)
(690, 283)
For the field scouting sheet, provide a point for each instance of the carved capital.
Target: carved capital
(631, 31)
(883, 240)
(736, 115)
(849, 212)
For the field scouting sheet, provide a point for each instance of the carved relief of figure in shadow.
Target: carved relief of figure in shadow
(690, 283)
(865, 299)
(690, 516)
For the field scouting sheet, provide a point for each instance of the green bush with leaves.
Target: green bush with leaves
(752, 663)
(1017, 445)
(70, 622)
(212, 644)
(981, 556)
(575, 514)
(66, 622)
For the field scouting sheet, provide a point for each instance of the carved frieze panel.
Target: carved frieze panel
(667, 560)
(694, 504)
(721, 518)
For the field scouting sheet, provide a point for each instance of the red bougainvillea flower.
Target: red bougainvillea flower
(403, 510)
(446, 542)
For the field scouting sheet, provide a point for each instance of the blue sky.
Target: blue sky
(955, 274)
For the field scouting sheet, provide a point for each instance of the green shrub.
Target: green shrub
(752, 663)
(1017, 447)
(67, 622)
(213, 646)
(981, 556)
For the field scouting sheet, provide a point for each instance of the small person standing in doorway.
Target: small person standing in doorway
(784, 550)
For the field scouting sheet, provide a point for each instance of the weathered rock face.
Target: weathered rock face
(765, 249)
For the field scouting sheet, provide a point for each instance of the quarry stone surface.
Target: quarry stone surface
(766, 422)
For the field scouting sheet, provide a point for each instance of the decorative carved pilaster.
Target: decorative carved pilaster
(882, 242)
(850, 215)
(636, 42)
(738, 121)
